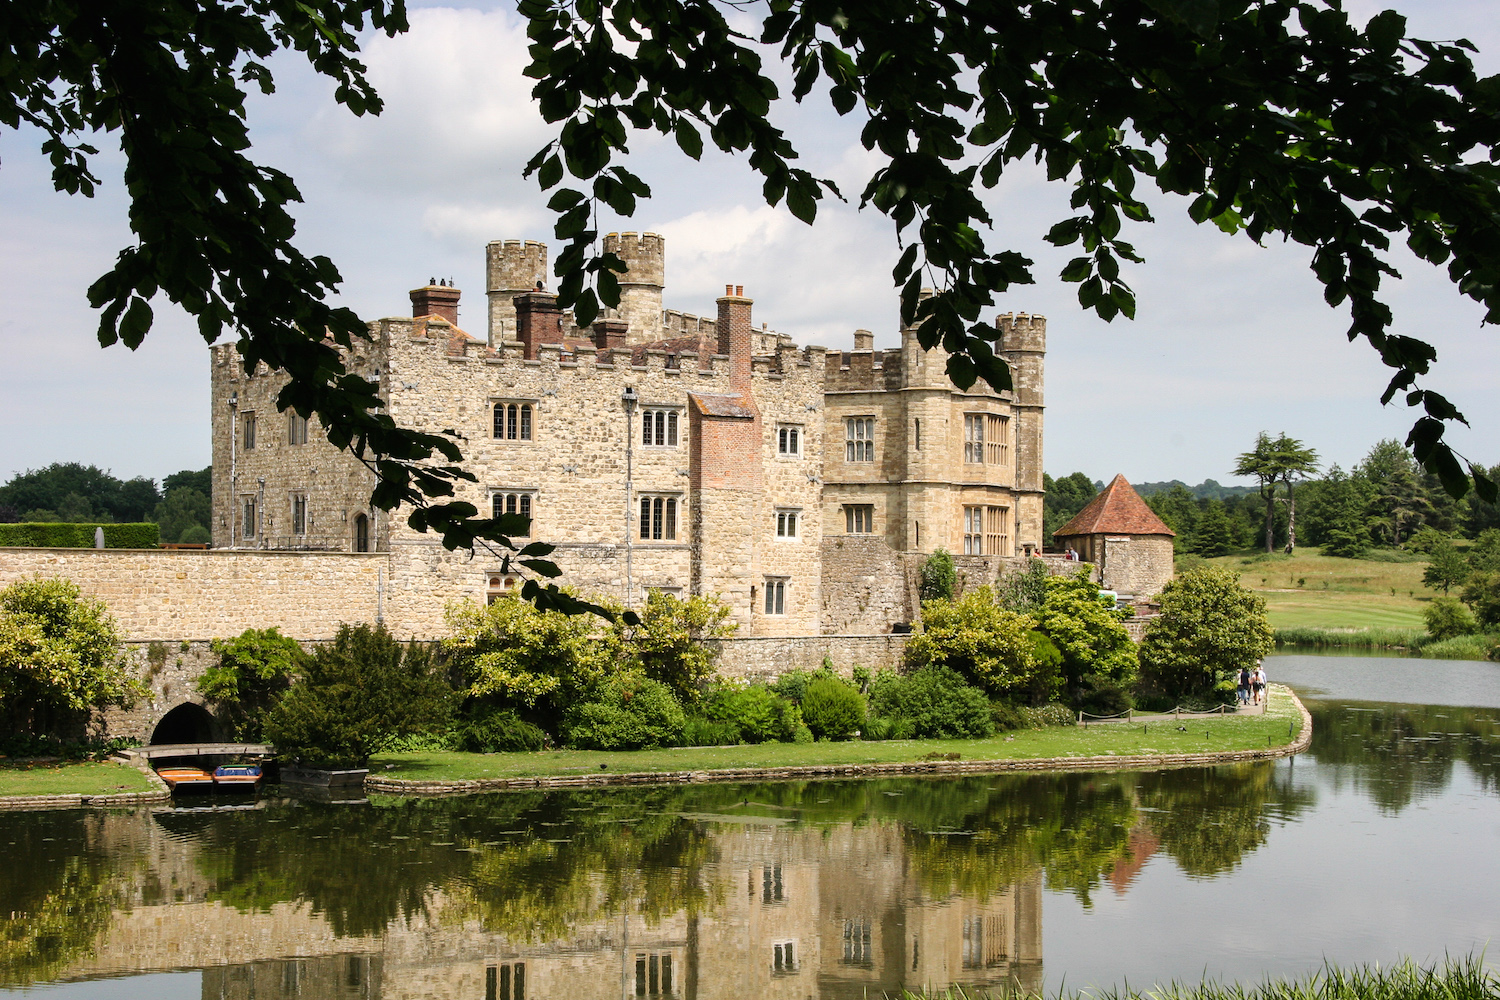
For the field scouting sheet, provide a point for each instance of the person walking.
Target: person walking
(1258, 682)
(1242, 691)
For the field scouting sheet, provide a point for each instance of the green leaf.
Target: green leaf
(136, 323)
(688, 139)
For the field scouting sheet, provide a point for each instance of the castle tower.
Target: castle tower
(641, 285)
(919, 367)
(512, 267)
(1023, 345)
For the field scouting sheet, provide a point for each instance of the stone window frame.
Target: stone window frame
(653, 973)
(972, 525)
(661, 425)
(300, 517)
(248, 519)
(513, 421)
(789, 440)
(296, 428)
(859, 438)
(787, 519)
(996, 530)
(247, 430)
(660, 516)
(859, 519)
(500, 585)
(776, 588)
(514, 500)
(997, 439)
(499, 979)
(784, 956)
(974, 428)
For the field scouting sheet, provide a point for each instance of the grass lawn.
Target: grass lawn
(60, 778)
(1312, 590)
(1278, 726)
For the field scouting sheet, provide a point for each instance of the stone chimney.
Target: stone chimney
(436, 299)
(538, 321)
(735, 336)
(609, 334)
(864, 340)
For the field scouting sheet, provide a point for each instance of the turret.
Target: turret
(512, 267)
(641, 285)
(1023, 345)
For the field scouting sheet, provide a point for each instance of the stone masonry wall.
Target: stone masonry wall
(1139, 565)
(767, 657)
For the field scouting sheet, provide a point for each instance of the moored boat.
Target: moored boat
(232, 777)
(183, 778)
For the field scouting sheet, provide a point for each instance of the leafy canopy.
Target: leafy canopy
(1209, 626)
(1272, 117)
(993, 648)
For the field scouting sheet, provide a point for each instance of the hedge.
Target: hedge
(60, 535)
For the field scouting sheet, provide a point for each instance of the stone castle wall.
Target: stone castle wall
(1140, 565)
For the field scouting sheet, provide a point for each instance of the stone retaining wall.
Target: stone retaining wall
(766, 658)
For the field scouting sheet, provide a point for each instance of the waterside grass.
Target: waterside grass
(1308, 589)
(1409, 641)
(1461, 979)
(71, 778)
(1277, 727)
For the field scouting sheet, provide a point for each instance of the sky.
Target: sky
(1230, 338)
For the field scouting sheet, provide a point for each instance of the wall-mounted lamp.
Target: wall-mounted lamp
(629, 397)
(234, 400)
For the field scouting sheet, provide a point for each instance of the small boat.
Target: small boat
(233, 777)
(183, 778)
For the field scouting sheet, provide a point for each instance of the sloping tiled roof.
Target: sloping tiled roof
(737, 407)
(1119, 510)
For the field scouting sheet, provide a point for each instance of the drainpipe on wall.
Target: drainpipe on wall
(234, 476)
(260, 515)
(380, 596)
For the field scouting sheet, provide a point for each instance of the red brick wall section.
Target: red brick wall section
(538, 321)
(435, 300)
(609, 333)
(734, 337)
(726, 453)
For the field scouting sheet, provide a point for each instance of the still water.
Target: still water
(1382, 841)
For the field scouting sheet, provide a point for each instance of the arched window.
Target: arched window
(513, 421)
(361, 533)
(658, 519)
(512, 503)
(500, 586)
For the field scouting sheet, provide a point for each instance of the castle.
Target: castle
(656, 449)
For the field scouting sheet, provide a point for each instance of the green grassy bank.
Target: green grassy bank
(71, 778)
(1277, 727)
(1312, 590)
(1465, 979)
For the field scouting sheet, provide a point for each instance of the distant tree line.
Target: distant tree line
(1386, 501)
(72, 492)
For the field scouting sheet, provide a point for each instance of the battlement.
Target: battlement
(644, 254)
(862, 371)
(1022, 332)
(514, 265)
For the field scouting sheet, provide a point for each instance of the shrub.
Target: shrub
(253, 672)
(984, 642)
(1097, 652)
(671, 640)
(1043, 716)
(627, 713)
(59, 657)
(938, 577)
(1108, 699)
(832, 709)
(1461, 647)
(1023, 592)
(702, 732)
(66, 535)
(1446, 617)
(195, 534)
(936, 701)
(356, 692)
(793, 684)
(498, 730)
(757, 713)
(1005, 716)
(445, 740)
(1209, 626)
(1482, 594)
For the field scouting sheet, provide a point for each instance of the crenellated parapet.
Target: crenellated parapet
(512, 267)
(1022, 332)
(645, 259)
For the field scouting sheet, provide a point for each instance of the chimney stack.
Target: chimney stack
(735, 336)
(609, 334)
(864, 340)
(538, 321)
(436, 300)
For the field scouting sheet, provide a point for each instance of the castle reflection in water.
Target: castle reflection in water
(789, 913)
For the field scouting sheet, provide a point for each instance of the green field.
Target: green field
(1277, 727)
(60, 778)
(1312, 590)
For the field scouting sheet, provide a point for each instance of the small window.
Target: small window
(771, 887)
(513, 421)
(296, 428)
(997, 531)
(658, 519)
(857, 942)
(248, 439)
(997, 444)
(512, 503)
(974, 438)
(859, 518)
(361, 533)
(505, 982)
(859, 439)
(973, 531)
(916, 434)
(299, 513)
(247, 518)
(659, 428)
(653, 974)
(786, 523)
(784, 957)
(789, 440)
(776, 600)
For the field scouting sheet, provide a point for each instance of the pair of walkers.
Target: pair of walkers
(1252, 685)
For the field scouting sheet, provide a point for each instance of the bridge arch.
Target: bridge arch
(187, 723)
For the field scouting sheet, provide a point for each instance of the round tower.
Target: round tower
(512, 267)
(1023, 345)
(641, 285)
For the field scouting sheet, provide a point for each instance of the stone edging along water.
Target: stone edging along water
(1135, 762)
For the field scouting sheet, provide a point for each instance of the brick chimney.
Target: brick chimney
(436, 300)
(538, 321)
(609, 334)
(734, 336)
(864, 340)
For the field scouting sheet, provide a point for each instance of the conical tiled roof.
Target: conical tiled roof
(1119, 510)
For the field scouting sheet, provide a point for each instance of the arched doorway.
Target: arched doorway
(187, 723)
(361, 533)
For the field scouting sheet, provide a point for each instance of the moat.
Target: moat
(1382, 841)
